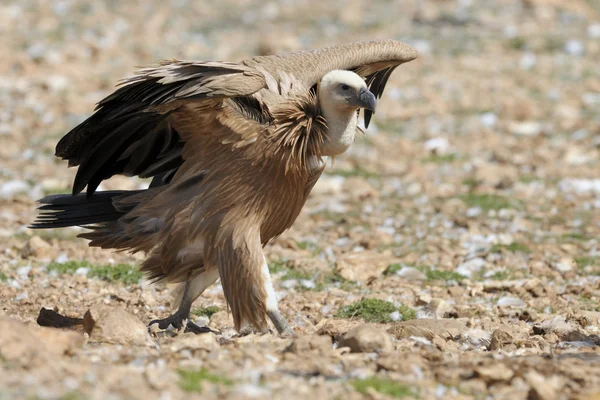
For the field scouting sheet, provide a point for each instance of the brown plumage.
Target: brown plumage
(233, 150)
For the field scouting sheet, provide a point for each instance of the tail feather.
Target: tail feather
(63, 210)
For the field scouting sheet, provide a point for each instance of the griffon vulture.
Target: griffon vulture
(233, 150)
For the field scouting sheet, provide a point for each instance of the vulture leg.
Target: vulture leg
(192, 290)
(273, 312)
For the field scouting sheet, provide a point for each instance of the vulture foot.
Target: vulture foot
(281, 324)
(178, 320)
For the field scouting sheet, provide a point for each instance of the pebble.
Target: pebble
(575, 48)
(468, 268)
(367, 339)
(510, 301)
(38, 247)
(527, 128)
(488, 119)
(10, 189)
(438, 145)
(411, 274)
(114, 325)
(580, 186)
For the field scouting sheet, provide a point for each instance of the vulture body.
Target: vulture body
(233, 150)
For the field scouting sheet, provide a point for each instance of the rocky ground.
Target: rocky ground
(452, 253)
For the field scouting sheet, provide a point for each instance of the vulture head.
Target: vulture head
(341, 94)
(345, 90)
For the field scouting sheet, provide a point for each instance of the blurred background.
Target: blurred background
(481, 165)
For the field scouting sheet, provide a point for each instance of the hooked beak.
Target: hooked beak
(366, 99)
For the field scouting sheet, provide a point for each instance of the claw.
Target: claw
(178, 322)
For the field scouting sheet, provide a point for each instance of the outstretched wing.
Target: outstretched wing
(134, 130)
(374, 60)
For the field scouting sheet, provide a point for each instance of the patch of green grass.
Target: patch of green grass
(514, 247)
(310, 246)
(583, 262)
(112, 273)
(206, 311)
(590, 264)
(588, 303)
(383, 386)
(488, 201)
(527, 178)
(441, 275)
(499, 275)
(574, 236)
(553, 43)
(375, 310)
(470, 182)
(516, 43)
(276, 266)
(393, 269)
(191, 381)
(3, 277)
(430, 273)
(280, 267)
(121, 272)
(440, 159)
(337, 281)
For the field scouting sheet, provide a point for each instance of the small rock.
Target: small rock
(114, 325)
(575, 48)
(557, 325)
(423, 299)
(367, 339)
(428, 328)
(468, 268)
(543, 388)
(564, 265)
(304, 344)
(38, 247)
(189, 341)
(501, 338)
(495, 373)
(580, 186)
(510, 301)
(10, 189)
(488, 119)
(528, 61)
(411, 274)
(438, 146)
(593, 30)
(527, 128)
(440, 308)
(496, 175)
(361, 266)
(35, 346)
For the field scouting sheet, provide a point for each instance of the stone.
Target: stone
(440, 308)
(361, 266)
(501, 338)
(114, 325)
(428, 328)
(510, 301)
(304, 344)
(32, 346)
(496, 175)
(497, 372)
(543, 388)
(192, 342)
(39, 248)
(367, 338)
(411, 274)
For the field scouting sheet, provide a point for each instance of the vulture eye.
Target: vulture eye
(345, 87)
